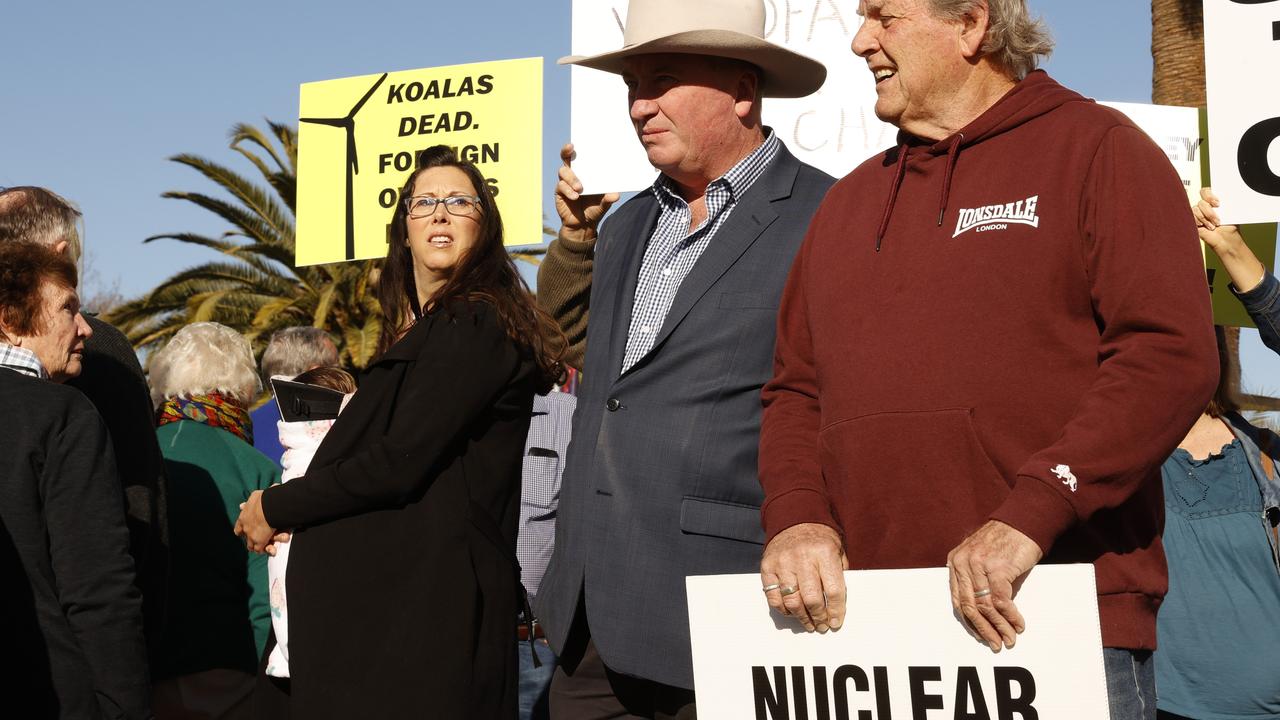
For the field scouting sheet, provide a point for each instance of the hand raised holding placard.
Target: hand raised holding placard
(579, 214)
(1245, 269)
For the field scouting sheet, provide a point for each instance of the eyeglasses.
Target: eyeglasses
(424, 205)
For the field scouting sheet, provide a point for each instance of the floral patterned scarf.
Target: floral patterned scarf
(214, 410)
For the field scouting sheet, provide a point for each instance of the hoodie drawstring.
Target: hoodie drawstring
(953, 152)
(893, 194)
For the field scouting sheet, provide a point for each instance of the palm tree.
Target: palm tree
(255, 288)
(1177, 52)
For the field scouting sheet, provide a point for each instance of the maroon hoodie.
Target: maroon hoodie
(1009, 324)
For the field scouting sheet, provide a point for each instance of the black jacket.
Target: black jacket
(69, 601)
(402, 579)
(113, 381)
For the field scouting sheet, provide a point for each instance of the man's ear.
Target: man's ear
(973, 30)
(61, 246)
(746, 98)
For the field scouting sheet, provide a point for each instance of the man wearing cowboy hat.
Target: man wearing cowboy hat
(661, 478)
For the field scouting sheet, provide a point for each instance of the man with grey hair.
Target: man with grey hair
(113, 381)
(993, 335)
(290, 352)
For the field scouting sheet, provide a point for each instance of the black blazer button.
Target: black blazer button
(613, 404)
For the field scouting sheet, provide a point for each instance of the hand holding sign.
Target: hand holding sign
(1245, 269)
(808, 560)
(986, 570)
(579, 214)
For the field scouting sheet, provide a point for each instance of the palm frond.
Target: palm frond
(254, 287)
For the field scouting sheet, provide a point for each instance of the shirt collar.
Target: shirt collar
(21, 360)
(738, 178)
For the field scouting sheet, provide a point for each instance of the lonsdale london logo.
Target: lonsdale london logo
(998, 217)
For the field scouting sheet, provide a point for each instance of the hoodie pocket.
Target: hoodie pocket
(907, 487)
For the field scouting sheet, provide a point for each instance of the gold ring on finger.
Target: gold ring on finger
(981, 593)
(789, 590)
(771, 586)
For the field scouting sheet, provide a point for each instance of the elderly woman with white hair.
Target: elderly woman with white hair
(219, 614)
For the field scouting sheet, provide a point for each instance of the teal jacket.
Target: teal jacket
(219, 612)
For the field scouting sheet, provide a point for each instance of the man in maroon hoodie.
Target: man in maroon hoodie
(992, 336)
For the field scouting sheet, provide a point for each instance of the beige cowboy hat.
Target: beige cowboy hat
(723, 28)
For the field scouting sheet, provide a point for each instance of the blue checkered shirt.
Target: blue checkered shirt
(21, 360)
(672, 250)
(544, 454)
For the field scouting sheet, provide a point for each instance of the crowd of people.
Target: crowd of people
(988, 347)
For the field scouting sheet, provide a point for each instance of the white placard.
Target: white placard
(1177, 131)
(901, 649)
(834, 129)
(1241, 54)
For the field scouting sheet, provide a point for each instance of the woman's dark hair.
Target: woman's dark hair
(1222, 401)
(485, 272)
(334, 378)
(25, 267)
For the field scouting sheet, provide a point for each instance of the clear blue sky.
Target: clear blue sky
(98, 94)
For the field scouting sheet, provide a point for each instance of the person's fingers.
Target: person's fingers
(814, 598)
(1211, 197)
(792, 602)
(1211, 218)
(772, 596)
(567, 154)
(1002, 600)
(283, 537)
(271, 550)
(570, 178)
(566, 192)
(968, 581)
(832, 576)
(997, 620)
(1197, 211)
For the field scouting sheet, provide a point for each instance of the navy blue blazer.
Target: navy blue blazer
(661, 480)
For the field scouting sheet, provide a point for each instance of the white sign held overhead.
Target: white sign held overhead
(901, 653)
(834, 129)
(1241, 53)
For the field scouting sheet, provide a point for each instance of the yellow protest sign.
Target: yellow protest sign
(359, 138)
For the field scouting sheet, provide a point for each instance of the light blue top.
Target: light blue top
(1217, 631)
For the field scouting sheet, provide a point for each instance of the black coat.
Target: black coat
(402, 581)
(70, 616)
(113, 381)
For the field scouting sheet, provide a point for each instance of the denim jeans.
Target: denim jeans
(535, 681)
(1131, 684)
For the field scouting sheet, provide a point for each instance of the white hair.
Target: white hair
(1015, 40)
(204, 358)
(295, 350)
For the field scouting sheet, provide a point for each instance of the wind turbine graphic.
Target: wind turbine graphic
(353, 165)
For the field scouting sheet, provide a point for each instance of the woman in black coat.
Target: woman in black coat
(70, 614)
(403, 585)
